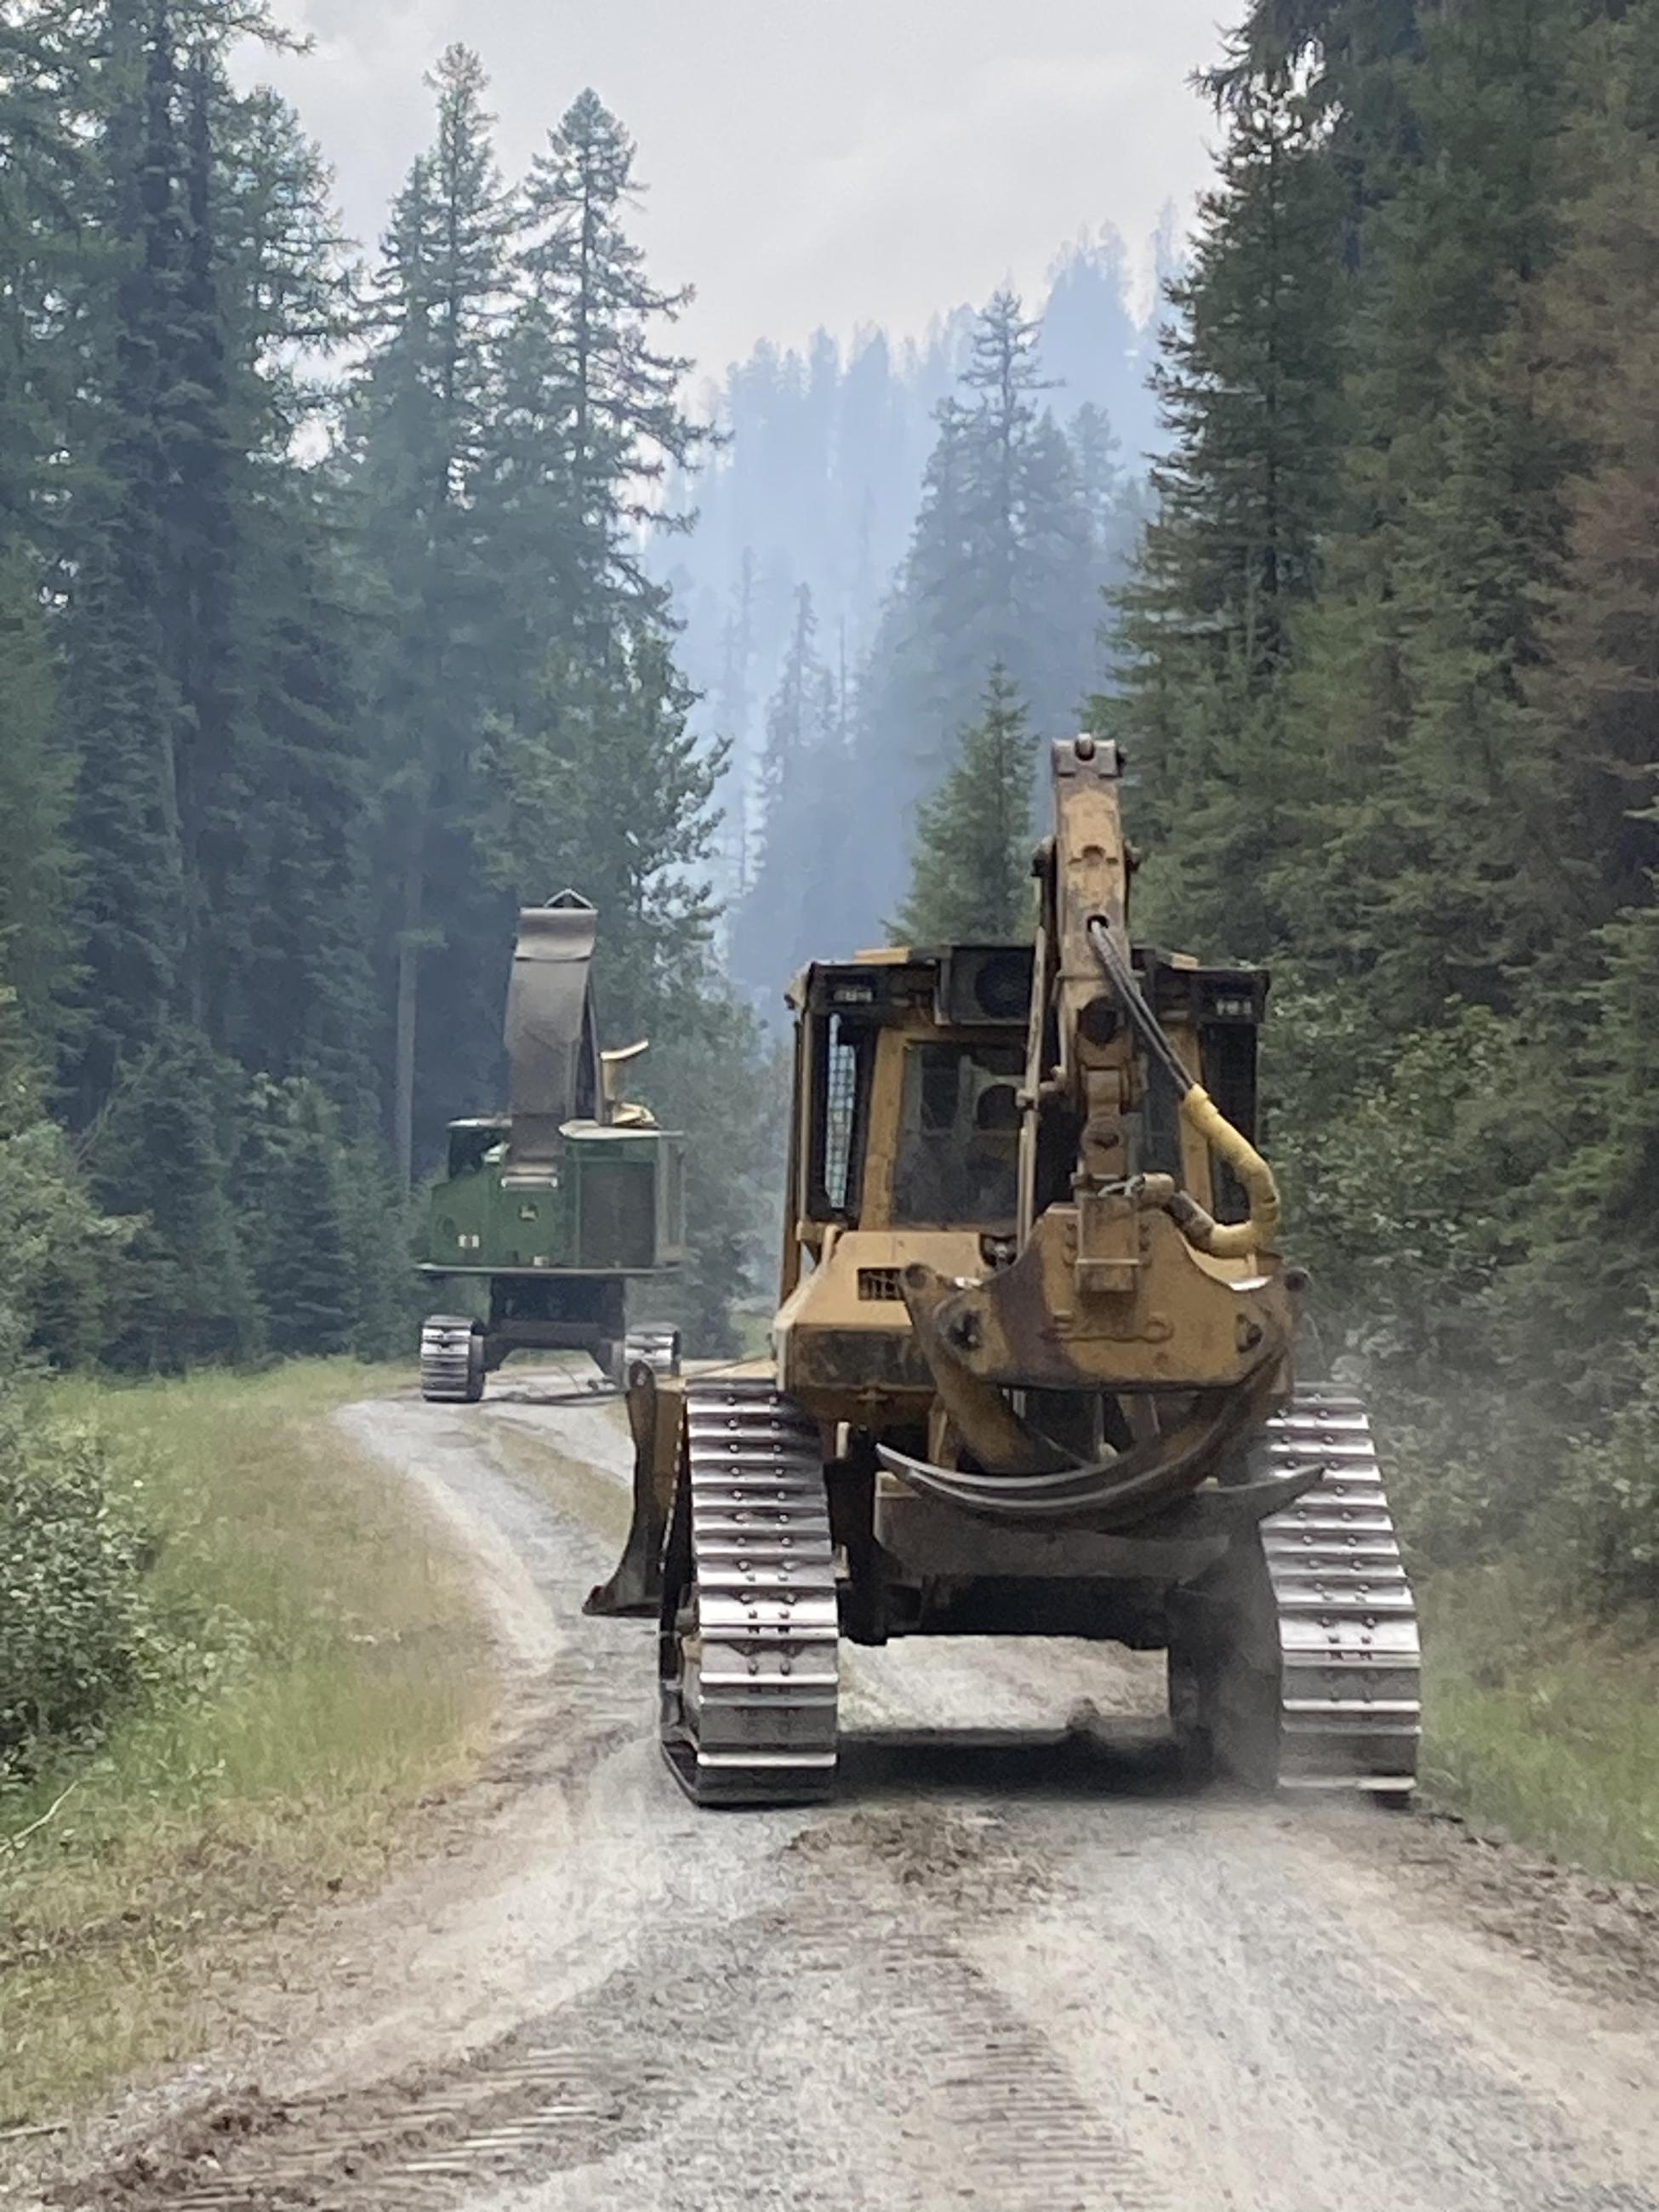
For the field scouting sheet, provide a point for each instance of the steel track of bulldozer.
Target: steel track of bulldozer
(1309, 1678)
(749, 1661)
(1350, 1662)
(452, 1360)
(1296, 1664)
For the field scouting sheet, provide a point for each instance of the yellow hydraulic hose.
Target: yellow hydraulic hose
(1226, 1240)
(1232, 1240)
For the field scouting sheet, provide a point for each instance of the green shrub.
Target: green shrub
(77, 1634)
(1602, 1526)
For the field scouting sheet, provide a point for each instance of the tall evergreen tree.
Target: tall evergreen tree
(1447, 698)
(971, 876)
(202, 551)
(298, 1237)
(599, 417)
(807, 848)
(421, 419)
(48, 185)
(607, 791)
(37, 862)
(1249, 392)
(61, 1253)
(123, 700)
(1001, 569)
(1453, 519)
(789, 719)
(163, 1151)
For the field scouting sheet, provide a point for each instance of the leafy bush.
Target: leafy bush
(1600, 1527)
(77, 1633)
(1401, 1164)
(59, 1249)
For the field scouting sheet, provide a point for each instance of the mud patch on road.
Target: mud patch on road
(423, 2140)
(968, 1862)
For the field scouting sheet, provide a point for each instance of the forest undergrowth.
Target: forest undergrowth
(299, 1668)
(1540, 1725)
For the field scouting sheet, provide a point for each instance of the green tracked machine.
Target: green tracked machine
(547, 1213)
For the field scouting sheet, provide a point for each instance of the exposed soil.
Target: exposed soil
(1016, 1964)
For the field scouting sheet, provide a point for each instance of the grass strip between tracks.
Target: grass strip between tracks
(339, 1658)
(1542, 1727)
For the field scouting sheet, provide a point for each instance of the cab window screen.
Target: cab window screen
(840, 1114)
(958, 1151)
(842, 1056)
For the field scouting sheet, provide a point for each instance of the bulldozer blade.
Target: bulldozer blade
(656, 1404)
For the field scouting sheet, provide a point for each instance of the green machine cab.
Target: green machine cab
(547, 1213)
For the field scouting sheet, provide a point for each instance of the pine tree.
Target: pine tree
(789, 715)
(732, 711)
(808, 847)
(1584, 773)
(60, 1250)
(1104, 488)
(37, 864)
(714, 1073)
(122, 702)
(1000, 566)
(295, 991)
(971, 875)
(383, 1224)
(1418, 772)
(603, 400)
(162, 1151)
(1001, 569)
(1249, 388)
(421, 421)
(171, 524)
(1594, 687)
(608, 791)
(201, 551)
(298, 1235)
(1452, 521)
(45, 185)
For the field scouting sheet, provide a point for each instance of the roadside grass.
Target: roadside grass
(1541, 1727)
(333, 1683)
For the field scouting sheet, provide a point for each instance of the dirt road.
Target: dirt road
(1015, 1966)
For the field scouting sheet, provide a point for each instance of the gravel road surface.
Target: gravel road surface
(1015, 1964)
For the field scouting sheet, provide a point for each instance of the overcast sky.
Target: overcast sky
(810, 162)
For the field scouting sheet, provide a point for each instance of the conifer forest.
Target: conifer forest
(352, 595)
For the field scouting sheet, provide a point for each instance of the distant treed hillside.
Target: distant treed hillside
(816, 487)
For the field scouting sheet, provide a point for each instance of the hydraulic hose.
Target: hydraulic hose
(1229, 1240)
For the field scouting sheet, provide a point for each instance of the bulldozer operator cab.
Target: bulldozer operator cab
(474, 1144)
(909, 1069)
(956, 1161)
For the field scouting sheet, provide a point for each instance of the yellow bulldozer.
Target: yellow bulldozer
(1032, 1369)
